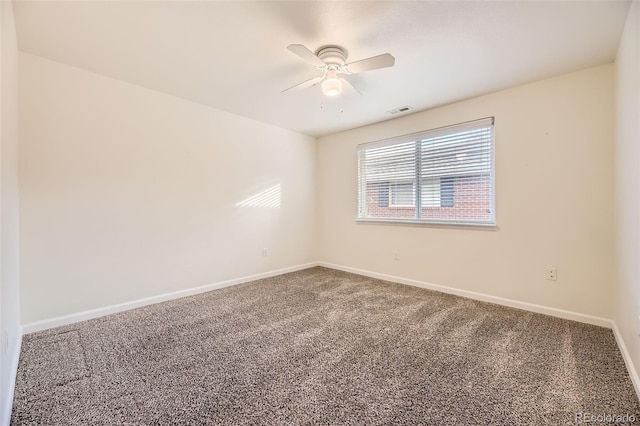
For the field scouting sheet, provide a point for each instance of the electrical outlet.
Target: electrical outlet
(396, 255)
(552, 274)
(265, 252)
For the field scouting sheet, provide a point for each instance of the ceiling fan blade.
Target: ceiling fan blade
(381, 61)
(303, 85)
(306, 54)
(348, 81)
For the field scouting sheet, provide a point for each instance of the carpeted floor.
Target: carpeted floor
(321, 347)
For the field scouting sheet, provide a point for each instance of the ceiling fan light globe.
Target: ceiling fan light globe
(331, 87)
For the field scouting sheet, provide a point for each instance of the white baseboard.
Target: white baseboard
(560, 313)
(107, 310)
(7, 400)
(633, 373)
(99, 312)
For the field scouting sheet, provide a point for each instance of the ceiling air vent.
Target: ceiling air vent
(400, 110)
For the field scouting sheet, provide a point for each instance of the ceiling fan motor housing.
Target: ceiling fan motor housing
(332, 55)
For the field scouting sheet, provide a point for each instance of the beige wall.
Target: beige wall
(9, 284)
(554, 201)
(128, 193)
(627, 184)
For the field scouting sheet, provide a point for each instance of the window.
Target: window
(444, 175)
(431, 192)
(402, 194)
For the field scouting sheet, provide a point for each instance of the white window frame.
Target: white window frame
(416, 138)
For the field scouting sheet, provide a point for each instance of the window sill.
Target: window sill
(413, 222)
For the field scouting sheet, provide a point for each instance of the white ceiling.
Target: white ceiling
(232, 55)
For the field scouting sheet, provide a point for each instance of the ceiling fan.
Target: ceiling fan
(331, 60)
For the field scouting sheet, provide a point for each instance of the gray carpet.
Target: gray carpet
(321, 347)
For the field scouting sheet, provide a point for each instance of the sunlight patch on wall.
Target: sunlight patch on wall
(269, 198)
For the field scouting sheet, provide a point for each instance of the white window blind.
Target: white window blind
(442, 175)
(403, 194)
